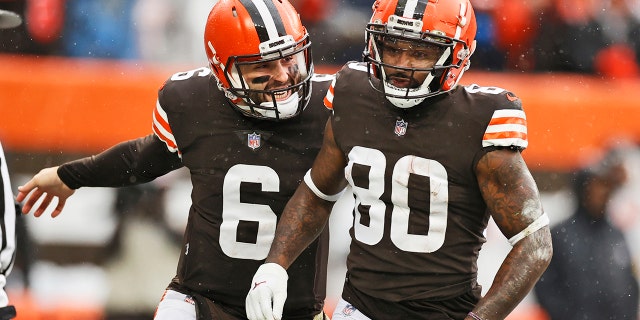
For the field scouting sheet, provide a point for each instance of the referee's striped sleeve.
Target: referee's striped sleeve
(7, 219)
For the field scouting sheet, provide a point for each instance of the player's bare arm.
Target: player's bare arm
(303, 219)
(513, 199)
(306, 214)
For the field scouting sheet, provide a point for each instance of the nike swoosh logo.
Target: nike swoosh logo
(255, 285)
(511, 97)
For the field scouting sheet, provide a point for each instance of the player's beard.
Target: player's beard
(259, 98)
(403, 80)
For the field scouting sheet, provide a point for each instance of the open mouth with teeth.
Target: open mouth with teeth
(281, 95)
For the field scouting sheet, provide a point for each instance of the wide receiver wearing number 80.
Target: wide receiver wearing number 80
(429, 163)
(247, 127)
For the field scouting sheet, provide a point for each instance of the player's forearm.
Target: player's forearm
(302, 221)
(517, 275)
(128, 163)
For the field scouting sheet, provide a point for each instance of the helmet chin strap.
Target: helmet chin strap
(285, 108)
(405, 103)
(402, 102)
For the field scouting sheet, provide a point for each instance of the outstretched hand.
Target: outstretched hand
(269, 286)
(46, 183)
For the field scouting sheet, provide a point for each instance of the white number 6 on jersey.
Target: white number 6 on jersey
(233, 211)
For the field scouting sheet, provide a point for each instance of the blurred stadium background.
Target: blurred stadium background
(81, 75)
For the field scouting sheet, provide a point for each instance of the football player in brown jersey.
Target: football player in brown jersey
(429, 162)
(247, 127)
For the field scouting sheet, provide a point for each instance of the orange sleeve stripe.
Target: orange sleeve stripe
(328, 103)
(508, 120)
(161, 120)
(328, 98)
(505, 135)
(162, 137)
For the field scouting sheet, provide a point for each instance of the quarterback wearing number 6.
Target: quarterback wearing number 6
(429, 162)
(247, 127)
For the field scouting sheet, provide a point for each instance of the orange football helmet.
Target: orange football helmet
(249, 32)
(449, 26)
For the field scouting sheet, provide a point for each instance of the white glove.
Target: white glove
(269, 286)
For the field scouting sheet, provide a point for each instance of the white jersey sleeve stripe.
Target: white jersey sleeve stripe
(162, 129)
(506, 127)
(508, 113)
(505, 142)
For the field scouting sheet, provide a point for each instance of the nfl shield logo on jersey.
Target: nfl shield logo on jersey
(401, 127)
(348, 310)
(253, 140)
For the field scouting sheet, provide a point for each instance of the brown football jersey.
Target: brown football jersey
(243, 171)
(419, 217)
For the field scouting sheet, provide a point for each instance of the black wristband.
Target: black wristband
(7, 313)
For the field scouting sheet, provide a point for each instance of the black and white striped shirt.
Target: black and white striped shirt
(7, 222)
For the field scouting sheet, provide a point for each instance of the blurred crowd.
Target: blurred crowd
(585, 36)
(163, 31)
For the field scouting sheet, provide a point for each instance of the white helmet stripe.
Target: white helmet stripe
(413, 9)
(410, 8)
(462, 20)
(443, 58)
(267, 18)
